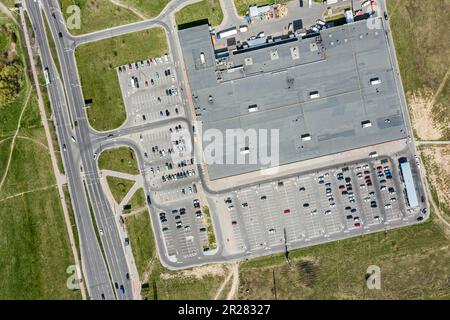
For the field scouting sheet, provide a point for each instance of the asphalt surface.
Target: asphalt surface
(93, 265)
(79, 163)
(79, 155)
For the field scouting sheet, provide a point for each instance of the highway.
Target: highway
(81, 168)
(97, 279)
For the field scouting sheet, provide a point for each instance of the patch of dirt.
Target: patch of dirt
(217, 270)
(439, 157)
(307, 270)
(421, 105)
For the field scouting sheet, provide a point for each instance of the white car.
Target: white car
(328, 212)
(320, 22)
(101, 231)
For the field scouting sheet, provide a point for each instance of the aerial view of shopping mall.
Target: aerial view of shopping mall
(182, 149)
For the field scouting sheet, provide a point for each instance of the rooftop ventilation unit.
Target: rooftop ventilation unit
(314, 94)
(252, 108)
(375, 81)
(305, 137)
(202, 57)
(366, 124)
(245, 150)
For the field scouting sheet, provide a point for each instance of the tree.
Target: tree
(11, 79)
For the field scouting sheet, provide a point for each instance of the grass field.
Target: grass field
(4, 42)
(209, 228)
(436, 160)
(136, 202)
(101, 14)
(72, 217)
(30, 209)
(207, 9)
(141, 239)
(34, 248)
(422, 42)
(97, 15)
(96, 65)
(414, 264)
(165, 284)
(149, 9)
(120, 159)
(243, 5)
(9, 3)
(119, 187)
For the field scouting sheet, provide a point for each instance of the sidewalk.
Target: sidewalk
(230, 15)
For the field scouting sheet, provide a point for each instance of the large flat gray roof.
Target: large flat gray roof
(279, 79)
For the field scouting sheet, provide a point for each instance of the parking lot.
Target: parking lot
(183, 227)
(161, 149)
(150, 90)
(323, 204)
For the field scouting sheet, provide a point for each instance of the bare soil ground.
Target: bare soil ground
(421, 105)
(438, 158)
(198, 272)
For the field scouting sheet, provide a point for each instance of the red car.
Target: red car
(234, 223)
(287, 211)
(341, 187)
(357, 225)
